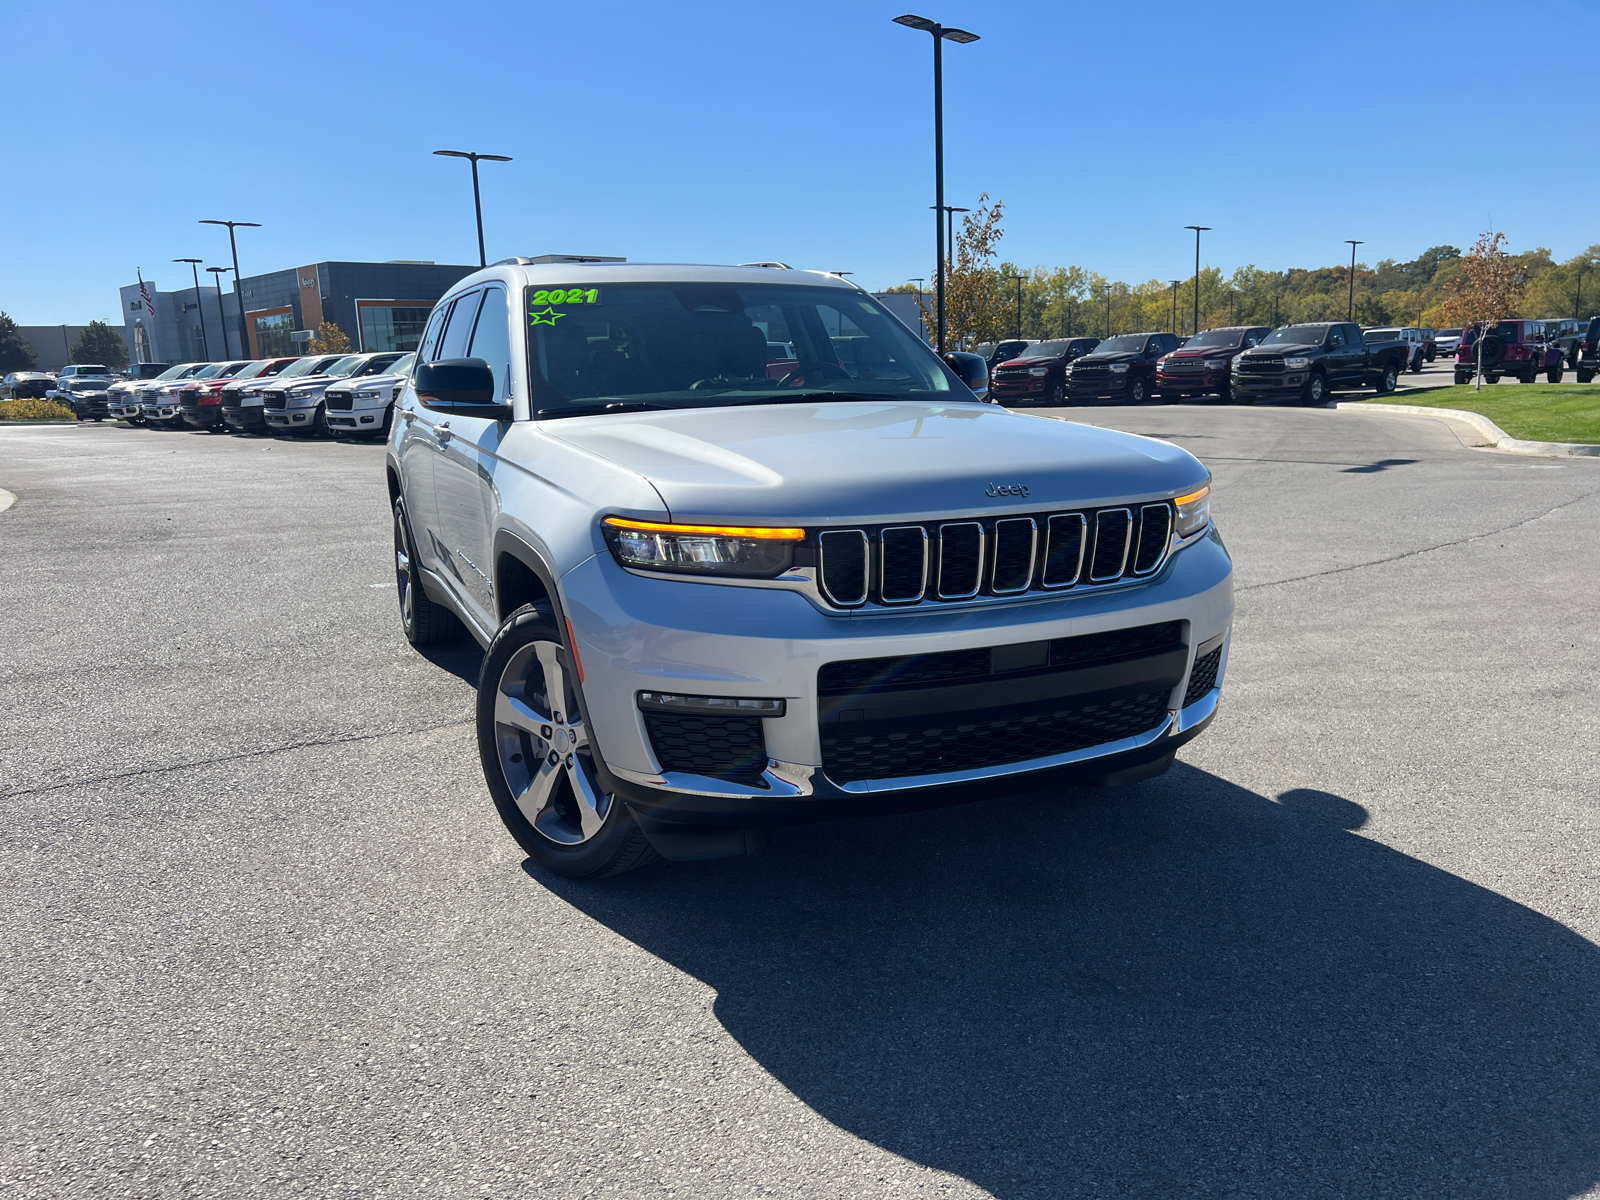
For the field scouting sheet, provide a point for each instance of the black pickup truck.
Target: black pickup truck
(1306, 362)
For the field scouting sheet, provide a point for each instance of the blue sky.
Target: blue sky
(725, 132)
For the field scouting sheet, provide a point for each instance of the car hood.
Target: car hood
(321, 380)
(1115, 356)
(1288, 348)
(1030, 362)
(1206, 352)
(847, 462)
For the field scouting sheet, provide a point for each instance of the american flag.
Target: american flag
(144, 296)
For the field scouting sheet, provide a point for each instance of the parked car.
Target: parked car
(162, 401)
(1567, 332)
(297, 406)
(1516, 348)
(1306, 362)
(1122, 367)
(124, 402)
(1589, 352)
(26, 385)
(671, 558)
(85, 395)
(200, 401)
(1446, 341)
(82, 371)
(1409, 338)
(366, 405)
(242, 409)
(1203, 364)
(996, 353)
(1039, 373)
(144, 371)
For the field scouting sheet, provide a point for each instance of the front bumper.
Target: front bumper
(163, 411)
(648, 634)
(358, 419)
(246, 418)
(298, 417)
(1111, 385)
(1280, 386)
(202, 416)
(1192, 381)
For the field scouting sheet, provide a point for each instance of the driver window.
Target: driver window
(491, 340)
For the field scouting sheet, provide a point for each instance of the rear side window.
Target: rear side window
(491, 340)
(430, 337)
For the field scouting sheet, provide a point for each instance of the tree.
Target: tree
(16, 352)
(329, 339)
(99, 343)
(1489, 288)
(974, 303)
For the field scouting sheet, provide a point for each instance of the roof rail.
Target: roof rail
(776, 266)
(542, 259)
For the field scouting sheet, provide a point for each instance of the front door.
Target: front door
(415, 449)
(465, 466)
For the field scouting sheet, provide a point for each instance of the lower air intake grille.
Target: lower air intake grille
(1203, 678)
(730, 748)
(1017, 737)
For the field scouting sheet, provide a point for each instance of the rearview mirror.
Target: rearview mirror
(463, 386)
(970, 368)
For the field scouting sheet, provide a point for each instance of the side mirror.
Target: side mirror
(971, 369)
(463, 386)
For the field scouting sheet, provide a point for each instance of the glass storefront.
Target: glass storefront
(272, 335)
(389, 327)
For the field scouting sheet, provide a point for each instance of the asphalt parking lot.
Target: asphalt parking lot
(265, 935)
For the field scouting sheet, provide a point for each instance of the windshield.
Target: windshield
(378, 365)
(209, 371)
(680, 345)
(175, 372)
(89, 385)
(303, 366)
(1128, 343)
(1297, 335)
(254, 369)
(402, 365)
(1449, 333)
(1226, 339)
(345, 366)
(1045, 350)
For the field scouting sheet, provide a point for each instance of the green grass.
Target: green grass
(1540, 412)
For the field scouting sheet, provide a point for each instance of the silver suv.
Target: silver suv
(295, 403)
(720, 592)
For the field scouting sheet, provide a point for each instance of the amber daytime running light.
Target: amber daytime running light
(751, 551)
(1194, 511)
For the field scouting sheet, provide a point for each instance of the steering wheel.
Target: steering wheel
(817, 372)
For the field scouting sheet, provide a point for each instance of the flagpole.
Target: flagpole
(148, 303)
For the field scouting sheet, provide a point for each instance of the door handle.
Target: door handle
(443, 431)
(407, 415)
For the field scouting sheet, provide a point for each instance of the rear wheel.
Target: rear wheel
(424, 622)
(1388, 380)
(1463, 377)
(539, 761)
(1554, 374)
(1584, 376)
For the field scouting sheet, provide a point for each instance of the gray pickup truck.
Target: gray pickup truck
(1306, 362)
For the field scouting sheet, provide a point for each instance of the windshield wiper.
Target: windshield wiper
(795, 398)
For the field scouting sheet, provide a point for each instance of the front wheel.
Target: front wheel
(1315, 390)
(539, 761)
(1058, 395)
(1553, 375)
(1138, 391)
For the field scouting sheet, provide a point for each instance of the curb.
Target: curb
(58, 421)
(1498, 438)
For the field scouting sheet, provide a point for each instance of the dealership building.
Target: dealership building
(378, 306)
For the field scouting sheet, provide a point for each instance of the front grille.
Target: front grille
(1016, 737)
(731, 748)
(861, 675)
(275, 399)
(1011, 373)
(1185, 364)
(995, 556)
(1203, 678)
(1263, 364)
(1087, 371)
(338, 401)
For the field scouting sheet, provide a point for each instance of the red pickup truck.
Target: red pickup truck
(1203, 365)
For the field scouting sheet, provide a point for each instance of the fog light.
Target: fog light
(726, 706)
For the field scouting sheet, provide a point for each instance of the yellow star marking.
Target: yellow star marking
(548, 317)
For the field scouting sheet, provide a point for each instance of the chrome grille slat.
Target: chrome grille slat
(958, 581)
(1155, 538)
(1113, 534)
(1066, 535)
(1010, 565)
(844, 566)
(902, 558)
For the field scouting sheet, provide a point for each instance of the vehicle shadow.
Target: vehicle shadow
(1177, 988)
(463, 658)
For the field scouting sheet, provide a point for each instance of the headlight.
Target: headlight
(300, 393)
(1216, 364)
(1297, 364)
(1194, 511)
(750, 551)
(1118, 368)
(250, 392)
(369, 394)
(1038, 372)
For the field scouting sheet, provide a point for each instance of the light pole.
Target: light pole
(950, 229)
(477, 203)
(238, 279)
(1174, 283)
(1350, 311)
(219, 272)
(961, 37)
(199, 302)
(1019, 279)
(1198, 230)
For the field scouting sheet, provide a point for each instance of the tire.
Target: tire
(1388, 381)
(425, 622)
(319, 427)
(1528, 375)
(1463, 377)
(1553, 375)
(1584, 376)
(1315, 390)
(1430, 355)
(1138, 391)
(528, 714)
(1492, 376)
(1058, 396)
(1416, 365)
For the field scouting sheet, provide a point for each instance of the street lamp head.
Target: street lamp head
(189, 260)
(961, 36)
(235, 224)
(219, 270)
(1199, 228)
(911, 21)
(1353, 242)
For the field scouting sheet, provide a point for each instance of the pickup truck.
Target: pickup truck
(1306, 362)
(1409, 340)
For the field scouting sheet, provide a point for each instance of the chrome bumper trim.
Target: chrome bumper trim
(784, 781)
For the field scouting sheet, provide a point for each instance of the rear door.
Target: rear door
(468, 456)
(416, 446)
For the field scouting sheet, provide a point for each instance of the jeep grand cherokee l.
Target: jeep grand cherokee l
(713, 601)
